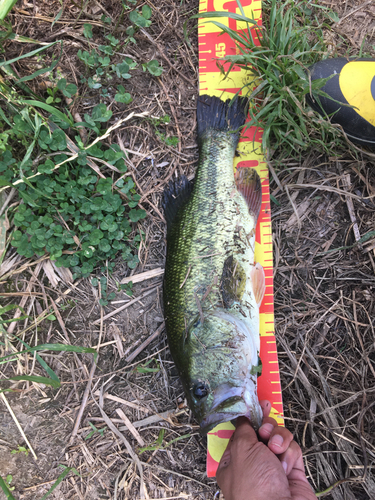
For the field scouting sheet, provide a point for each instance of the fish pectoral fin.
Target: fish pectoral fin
(249, 185)
(258, 280)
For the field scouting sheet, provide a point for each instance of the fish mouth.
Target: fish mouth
(238, 403)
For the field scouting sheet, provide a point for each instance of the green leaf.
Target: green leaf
(333, 16)
(100, 113)
(67, 89)
(95, 237)
(139, 20)
(47, 167)
(107, 49)
(114, 41)
(104, 246)
(123, 96)
(154, 68)
(87, 30)
(136, 215)
(146, 12)
(122, 70)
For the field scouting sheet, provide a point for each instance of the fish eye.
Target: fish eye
(200, 390)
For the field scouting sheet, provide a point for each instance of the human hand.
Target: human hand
(266, 468)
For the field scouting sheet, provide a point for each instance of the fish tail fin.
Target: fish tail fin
(249, 185)
(213, 113)
(258, 279)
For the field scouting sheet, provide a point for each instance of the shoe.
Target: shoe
(352, 83)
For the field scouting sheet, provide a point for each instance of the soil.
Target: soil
(324, 294)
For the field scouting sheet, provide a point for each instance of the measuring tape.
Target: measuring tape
(211, 48)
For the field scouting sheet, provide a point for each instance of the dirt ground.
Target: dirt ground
(324, 297)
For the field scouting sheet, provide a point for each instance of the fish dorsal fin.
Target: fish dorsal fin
(258, 280)
(175, 195)
(249, 185)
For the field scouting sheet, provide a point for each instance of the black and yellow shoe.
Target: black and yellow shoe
(353, 83)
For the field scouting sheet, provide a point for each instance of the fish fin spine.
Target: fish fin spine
(258, 280)
(249, 185)
(213, 113)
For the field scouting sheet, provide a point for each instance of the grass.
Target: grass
(78, 212)
(277, 57)
(74, 201)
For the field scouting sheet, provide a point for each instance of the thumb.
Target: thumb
(243, 439)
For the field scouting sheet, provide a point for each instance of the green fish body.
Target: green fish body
(212, 287)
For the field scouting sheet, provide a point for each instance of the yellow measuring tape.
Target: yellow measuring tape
(213, 45)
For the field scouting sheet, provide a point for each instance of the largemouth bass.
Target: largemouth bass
(212, 286)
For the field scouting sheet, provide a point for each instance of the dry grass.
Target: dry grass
(324, 310)
(324, 306)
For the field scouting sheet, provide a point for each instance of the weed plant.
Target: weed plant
(77, 217)
(277, 58)
(66, 208)
(76, 201)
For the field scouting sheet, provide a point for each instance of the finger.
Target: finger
(291, 459)
(244, 437)
(280, 440)
(225, 459)
(266, 429)
(292, 463)
(266, 407)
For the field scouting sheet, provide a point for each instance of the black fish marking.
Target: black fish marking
(175, 195)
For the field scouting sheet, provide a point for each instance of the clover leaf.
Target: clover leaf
(122, 95)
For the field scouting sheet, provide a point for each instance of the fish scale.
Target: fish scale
(214, 341)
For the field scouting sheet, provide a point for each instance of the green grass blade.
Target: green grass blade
(59, 14)
(5, 489)
(59, 479)
(233, 34)
(231, 15)
(10, 307)
(5, 7)
(35, 378)
(56, 348)
(30, 54)
(20, 318)
(48, 108)
(38, 72)
(25, 39)
(9, 72)
(41, 361)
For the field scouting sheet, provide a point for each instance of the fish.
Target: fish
(212, 286)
